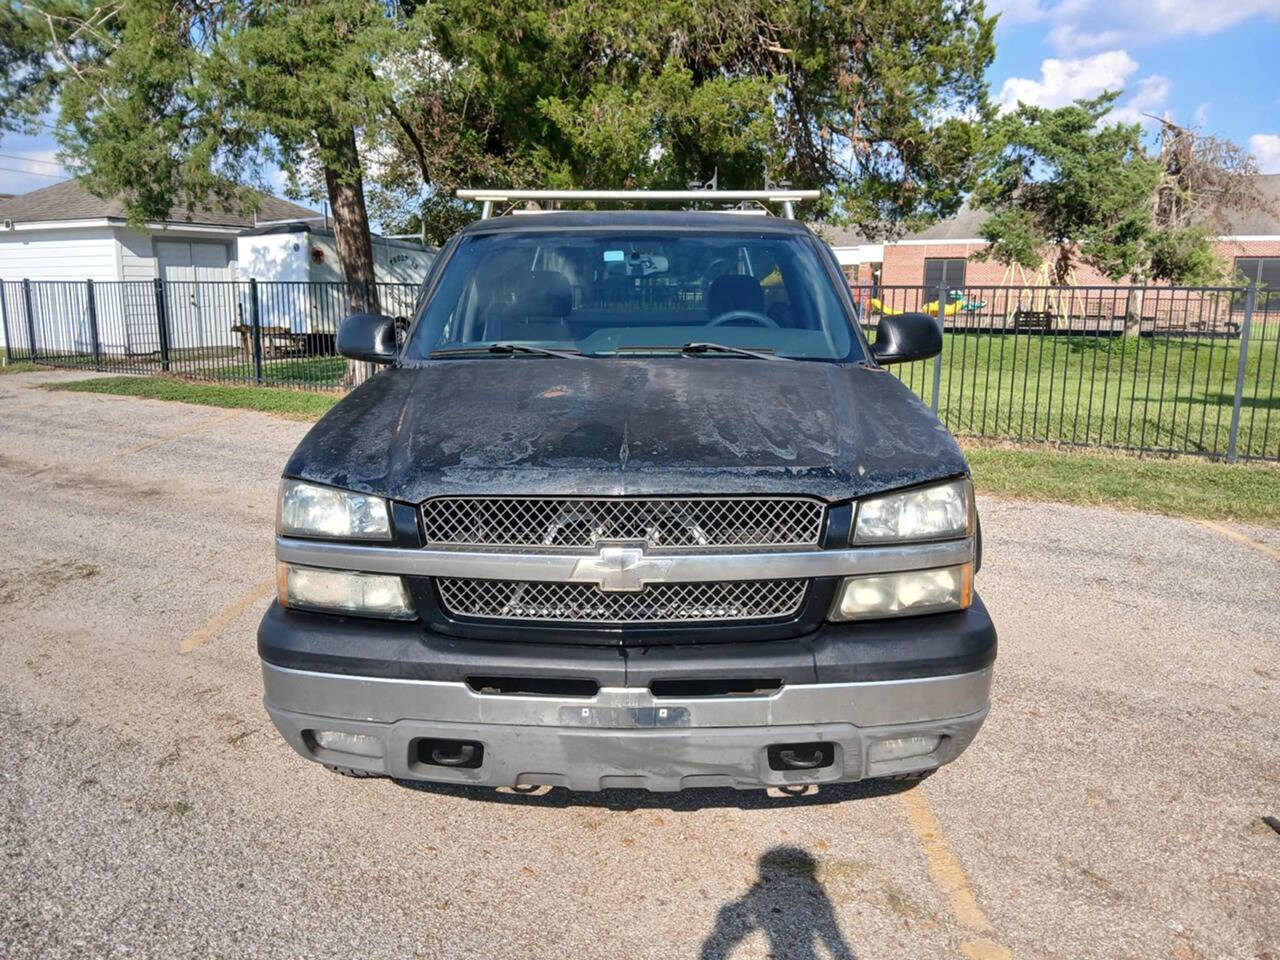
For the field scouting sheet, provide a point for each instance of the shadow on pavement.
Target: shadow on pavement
(692, 799)
(788, 904)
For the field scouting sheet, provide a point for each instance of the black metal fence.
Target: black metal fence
(1155, 369)
(277, 333)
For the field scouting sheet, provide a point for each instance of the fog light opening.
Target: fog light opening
(801, 756)
(902, 748)
(356, 744)
(459, 754)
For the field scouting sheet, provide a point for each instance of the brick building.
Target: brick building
(942, 253)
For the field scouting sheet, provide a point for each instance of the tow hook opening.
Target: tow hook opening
(801, 756)
(459, 754)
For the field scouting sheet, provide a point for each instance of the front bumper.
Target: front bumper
(848, 687)
(623, 737)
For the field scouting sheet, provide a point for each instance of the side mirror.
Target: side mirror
(903, 337)
(368, 336)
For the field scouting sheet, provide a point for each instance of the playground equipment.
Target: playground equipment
(957, 304)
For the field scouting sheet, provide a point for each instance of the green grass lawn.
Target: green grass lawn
(1127, 392)
(20, 366)
(293, 371)
(1181, 487)
(294, 404)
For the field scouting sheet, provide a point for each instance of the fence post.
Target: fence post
(937, 361)
(255, 320)
(162, 323)
(31, 320)
(1233, 441)
(4, 317)
(93, 323)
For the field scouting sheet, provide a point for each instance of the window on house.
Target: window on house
(943, 270)
(1265, 272)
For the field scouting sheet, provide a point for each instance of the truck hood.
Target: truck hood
(653, 426)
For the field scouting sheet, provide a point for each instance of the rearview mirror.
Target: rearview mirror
(368, 336)
(903, 337)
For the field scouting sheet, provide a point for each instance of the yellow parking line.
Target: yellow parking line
(946, 873)
(219, 623)
(175, 434)
(1239, 537)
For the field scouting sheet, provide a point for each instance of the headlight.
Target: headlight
(343, 591)
(310, 510)
(904, 594)
(939, 512)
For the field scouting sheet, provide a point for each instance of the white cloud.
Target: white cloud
(1017, 11)
(1265, 148)
(1146, 98)
(1085, 26)
(1062, 81)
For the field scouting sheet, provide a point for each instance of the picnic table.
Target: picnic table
(276, 341)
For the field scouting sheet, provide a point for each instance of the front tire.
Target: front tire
(353, 772)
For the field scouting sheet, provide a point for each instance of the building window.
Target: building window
(943, 270)
(1265, 272)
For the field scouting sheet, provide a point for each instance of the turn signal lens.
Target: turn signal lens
(343, 591)
(904, 594)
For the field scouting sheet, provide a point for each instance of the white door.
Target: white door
(198, 293)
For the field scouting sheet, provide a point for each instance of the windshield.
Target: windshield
(632, 292)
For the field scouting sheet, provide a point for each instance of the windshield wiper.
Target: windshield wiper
(510, 348)
(698, 346)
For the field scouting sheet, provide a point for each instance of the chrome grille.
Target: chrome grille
(659, 523)
(586, 603)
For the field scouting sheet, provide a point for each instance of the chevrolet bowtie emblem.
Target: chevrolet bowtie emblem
(621, 569)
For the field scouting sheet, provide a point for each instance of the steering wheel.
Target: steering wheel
(743, 314)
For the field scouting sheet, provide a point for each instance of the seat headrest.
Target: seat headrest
(534, 293)
(734, 291)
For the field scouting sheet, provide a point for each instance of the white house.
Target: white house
(64, 233)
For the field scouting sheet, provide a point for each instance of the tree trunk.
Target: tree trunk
(351, 231)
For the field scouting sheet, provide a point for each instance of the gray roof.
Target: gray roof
(1259, 223)
(966, 224)
(69, 200)
(963, 226)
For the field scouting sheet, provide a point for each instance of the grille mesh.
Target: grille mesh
(587, 603)
(669, 523)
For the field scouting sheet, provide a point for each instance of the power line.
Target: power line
(35, 173)
(31, 160)
(15, 156)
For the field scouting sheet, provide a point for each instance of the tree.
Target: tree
(883, 104)
(1068, 187)
(27, 84)
(1205, 181)
(1066, 182)
(187, 102)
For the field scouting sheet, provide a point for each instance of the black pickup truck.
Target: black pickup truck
(635, 504)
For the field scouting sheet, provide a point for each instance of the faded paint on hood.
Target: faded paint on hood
(670, 425)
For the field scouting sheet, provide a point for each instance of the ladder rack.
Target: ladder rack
(788, 198)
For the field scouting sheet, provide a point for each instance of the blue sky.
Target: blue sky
(1212, 64)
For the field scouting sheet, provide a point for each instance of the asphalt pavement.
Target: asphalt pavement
(1111, 807)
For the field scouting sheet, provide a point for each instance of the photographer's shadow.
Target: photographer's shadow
(788, 904)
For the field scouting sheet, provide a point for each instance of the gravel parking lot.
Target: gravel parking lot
(1111, 807)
